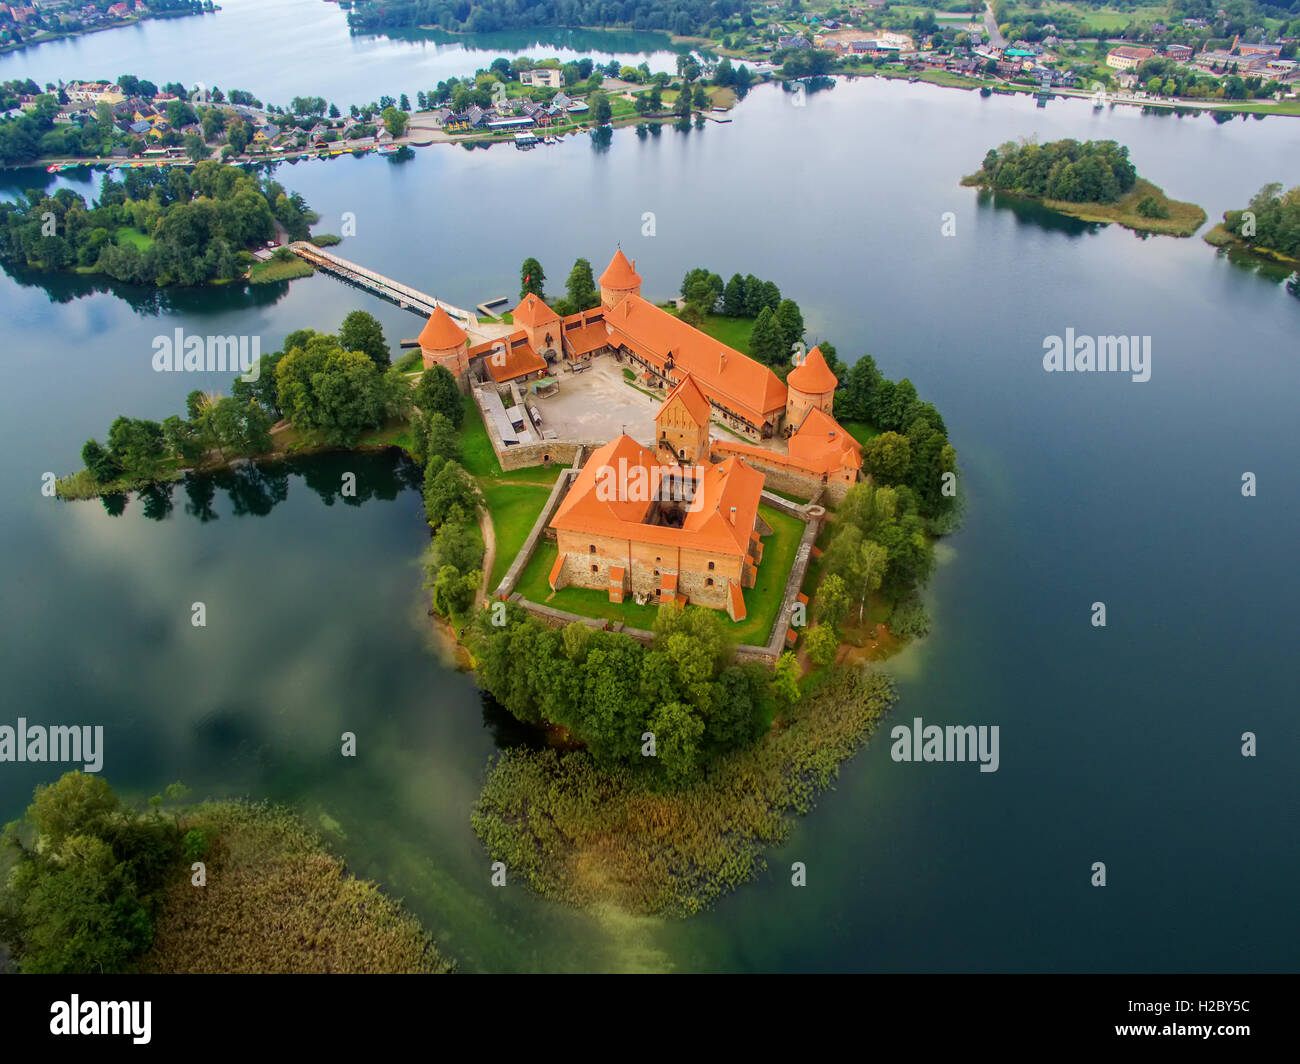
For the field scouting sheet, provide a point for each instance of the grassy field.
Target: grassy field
(128, 234)
(762, 601)
(476, 449)
(278, 901)
(513, 507)
(272, 271)
(1184, 218)
(861, 430)
(734, 332)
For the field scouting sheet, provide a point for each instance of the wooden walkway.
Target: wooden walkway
(403, 295)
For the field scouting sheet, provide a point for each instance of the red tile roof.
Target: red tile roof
(824, 445)
(697, 405)
(441, 332)
(516, 360)
(591, 507)
(726, 376)
(812, 376)
(532, 312)
(620, 273)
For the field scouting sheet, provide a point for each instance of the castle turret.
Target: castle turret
(540, 324)
(444, 343)
(810, 385)
(619, 280)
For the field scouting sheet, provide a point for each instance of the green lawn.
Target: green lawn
(762, 601)
(734, 332)
(476, 449)
(128, 234)
(513, 508)
(861, 430)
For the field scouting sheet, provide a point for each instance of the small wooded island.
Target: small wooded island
(1268, 228)
(1091, 180)
(699, 662)
(160, 226)
(90, 883)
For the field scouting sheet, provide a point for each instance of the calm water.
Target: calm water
(1118, 745)
(278, 49)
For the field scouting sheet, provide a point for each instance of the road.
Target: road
(991, 25)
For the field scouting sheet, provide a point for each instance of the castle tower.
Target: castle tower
(540, 324)
(619, 279)
(810, 385)
(682, 425)
(444, 343)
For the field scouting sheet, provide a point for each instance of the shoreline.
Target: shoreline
(1122, 212)
(1219, 238)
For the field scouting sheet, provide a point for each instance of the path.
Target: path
(991, 25)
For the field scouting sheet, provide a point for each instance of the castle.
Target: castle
(682, 521)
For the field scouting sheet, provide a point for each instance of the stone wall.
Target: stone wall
(518, 456)
(782, 476)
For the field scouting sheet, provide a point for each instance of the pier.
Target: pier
(403, 295)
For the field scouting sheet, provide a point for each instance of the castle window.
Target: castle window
(708, 581)
(593, 548)
(595, 568)
(710, 567)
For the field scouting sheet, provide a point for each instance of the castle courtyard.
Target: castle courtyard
(597, 404)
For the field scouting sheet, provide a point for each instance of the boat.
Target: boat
(387, 149)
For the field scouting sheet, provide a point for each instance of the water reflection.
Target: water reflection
(256, 488)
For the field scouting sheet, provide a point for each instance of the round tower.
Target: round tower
(444, 343)
(810, 384)
(619, 280)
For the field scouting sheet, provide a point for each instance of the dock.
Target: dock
(403, 295)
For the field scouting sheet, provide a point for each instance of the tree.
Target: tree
(765, 340)
(601, 111)
(822, 643)
(789, 320)
(447, 486)
(581, 286)
(833, 600)
(531, 279)
(887, 457)
(733, 297)
(103, 467)
(362, 332)
(437, 392)
(785, 679)
(338, 393)
(394, 120)
(85, 877)
(677, 732)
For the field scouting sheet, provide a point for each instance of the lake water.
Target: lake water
(1119, 745)
(285, 48)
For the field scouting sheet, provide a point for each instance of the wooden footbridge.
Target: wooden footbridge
(403, 295)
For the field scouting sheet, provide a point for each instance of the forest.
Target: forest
(156, 226)
(1092, 171)
(1271, 221)
(684, 17)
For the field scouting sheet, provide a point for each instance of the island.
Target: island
(209, 225)
(1268, 229)
(1091, 180)
(677, 561)
(93, 883)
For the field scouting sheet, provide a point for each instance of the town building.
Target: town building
(547, 77)
(1127, 57)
